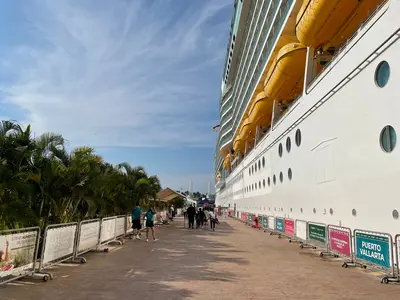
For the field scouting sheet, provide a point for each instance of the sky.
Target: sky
(138, 80)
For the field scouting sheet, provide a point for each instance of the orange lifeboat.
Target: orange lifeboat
(284, 80)
(323, 22)
(261, 110)
(227, 162)
(238, 144)
(247, 130)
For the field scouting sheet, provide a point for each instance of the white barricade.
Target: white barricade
(129, 229)
(58, 244)
(88, 237)
(120, 226)
(108, 231)
(271, 223)
(18, 252)
(301, 230)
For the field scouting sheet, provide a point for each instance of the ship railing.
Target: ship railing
(348, 41)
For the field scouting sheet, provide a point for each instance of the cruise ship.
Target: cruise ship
(309, 112)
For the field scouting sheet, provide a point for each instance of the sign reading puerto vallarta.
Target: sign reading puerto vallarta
(373, 248)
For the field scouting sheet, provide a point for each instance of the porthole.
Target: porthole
(301, 210)
(280, 150)
(249, 171)
(255, 167)
(331, 211)
(288, 144)
(281, 177)
(263, 162)
(255, 186)
(289, 173)
(269, 181)
(274, 179)
(264, 183)
(395, 214)
(252, 169)
(388, 139)
(314, 211)
(259, 164)
(354, 212)
(382, 74)
(298, 137)
(291, 209)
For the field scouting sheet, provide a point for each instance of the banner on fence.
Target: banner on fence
(89, 232)
(279, 225)
(340, 240)
(260, 220)
(120, 226)
(301, 229)
(271, 223)
(59, 242)
(107, 229)
(317, 232)
(373, 248)
(265, 222)
(289, 227)
(17, 253)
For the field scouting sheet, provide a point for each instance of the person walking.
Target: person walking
(136, 213)
(150, 224)
(212, 220)
(191, 212)
(201, 217)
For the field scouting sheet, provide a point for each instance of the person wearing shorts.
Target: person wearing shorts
(136, 213)
(150, 224)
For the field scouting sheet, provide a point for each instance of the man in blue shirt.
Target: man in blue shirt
(136, 213)
(150, 224)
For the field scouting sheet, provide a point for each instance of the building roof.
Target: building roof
(168, 194)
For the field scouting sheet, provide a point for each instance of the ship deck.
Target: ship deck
(234, 262)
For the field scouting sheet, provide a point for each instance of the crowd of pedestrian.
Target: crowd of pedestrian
(202, 217)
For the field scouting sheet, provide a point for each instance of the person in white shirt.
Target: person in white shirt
(212, 220)
(207, 213)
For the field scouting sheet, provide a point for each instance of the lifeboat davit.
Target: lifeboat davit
(247, 130)
(261, 110)
(284, 80)
(330, 22)
(238, 144)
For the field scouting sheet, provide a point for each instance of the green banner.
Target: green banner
(260, 220)
(317, 232)
(373, 248)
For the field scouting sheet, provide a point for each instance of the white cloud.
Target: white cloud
(119, 73)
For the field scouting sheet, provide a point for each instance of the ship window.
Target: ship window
(255, 167)
(315, 211)
(298, 137)
(354, 212)
(301, 210)
(263, 182)
(288, 144)
(281, 176)
(274, 179)
(331, 211)
(290, 174)
(259, 164)
(259, 184)
(388, 138)
(382, 74)
(280, 150)
(255, 185)
(395, 214)
(263, 162)
(269, 181)
(249, 172)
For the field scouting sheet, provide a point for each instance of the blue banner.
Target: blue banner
(373, 248)
(279, 225)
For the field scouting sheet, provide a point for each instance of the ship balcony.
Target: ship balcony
(226, 120)
(227, 110)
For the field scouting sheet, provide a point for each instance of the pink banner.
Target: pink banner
(339, 241)
(289, 227)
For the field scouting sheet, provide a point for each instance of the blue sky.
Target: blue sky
(137, 80)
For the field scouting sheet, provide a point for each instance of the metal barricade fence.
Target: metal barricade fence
(88, 237)
(290, 228)
(108, 231)
(376, 248)
(340, 243)
(271, 223)
(265, 223)
(129, 229)
(120, 226)
(59, 243)
(317, 237)
(18, 252)
(279, 227)
(301, 233)
(260, 221)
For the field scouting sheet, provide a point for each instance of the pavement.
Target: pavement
(234, 262)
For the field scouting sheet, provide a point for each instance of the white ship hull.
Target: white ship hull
(340, 174)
